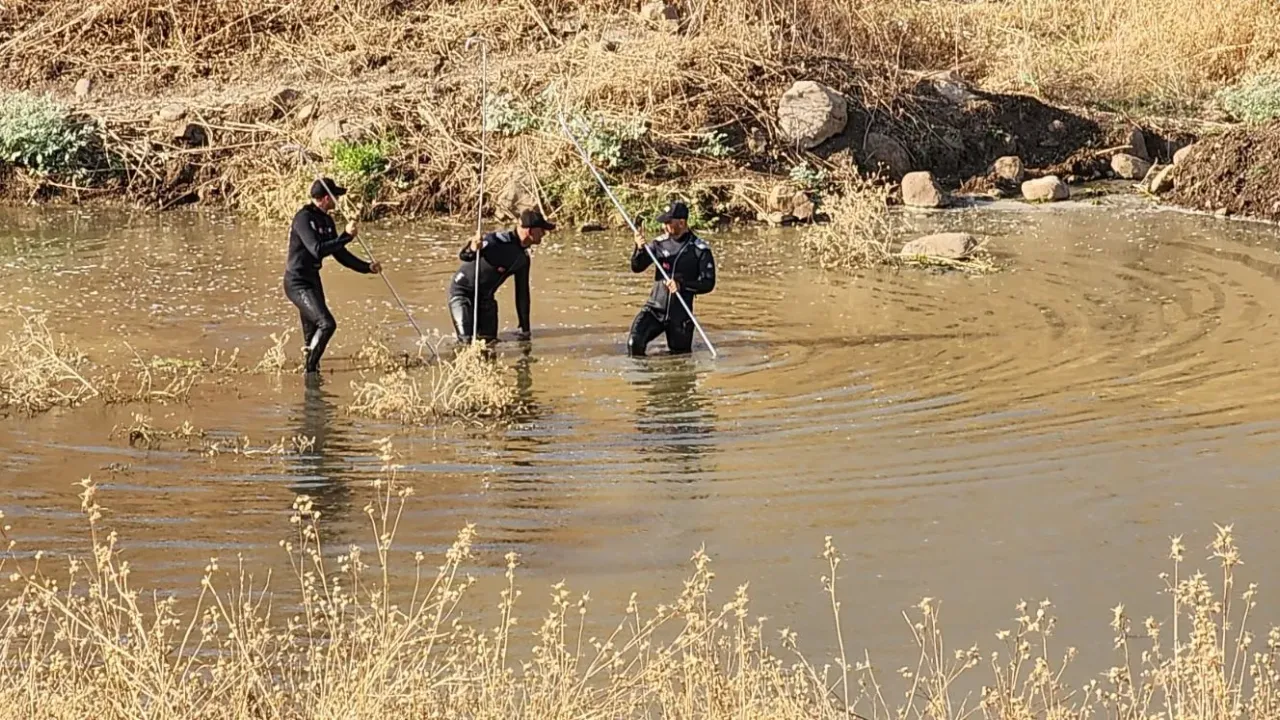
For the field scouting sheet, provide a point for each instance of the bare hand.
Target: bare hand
(352, 229)
(476, 242)
(673, 286)
(375, 267)
(640, 241)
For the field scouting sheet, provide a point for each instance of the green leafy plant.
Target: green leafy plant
(606, 139)
(39, 134)
(503, 116)
(714, 145)
(362, 165)
(807, 177)
(1255, 99)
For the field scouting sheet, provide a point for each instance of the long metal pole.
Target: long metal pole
(484, 132)
(369, 251)
(586, 158)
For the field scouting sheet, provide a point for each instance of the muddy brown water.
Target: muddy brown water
(1034, 433)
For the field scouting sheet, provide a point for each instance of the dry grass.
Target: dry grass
(860, 233)
(39, 371)
(275, 359)
(242, 446)
(471, 386)
(342, 639)
(142, 433)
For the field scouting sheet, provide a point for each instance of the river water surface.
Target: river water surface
(1039, 432)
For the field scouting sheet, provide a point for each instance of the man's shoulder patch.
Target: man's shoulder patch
(701, 244)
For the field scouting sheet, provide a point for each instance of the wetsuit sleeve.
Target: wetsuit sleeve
(318, 248)
(705, 281)
(466, 254)
(522, 297)
(641, 260)
(345, 257)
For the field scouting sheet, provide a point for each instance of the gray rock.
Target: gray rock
(810, 113)
(1138, 145)
(326, 131)
(919, 189)
(1046, 189)
(1180, 157)
(171, 113)
(306, 112)
(1162, 181)
(952, 246)
(887, 153)
(780, 197)
(83, 86)
(662, 16)
(802, 208)
(191, 134)
(1009, 168)
(1129, 167)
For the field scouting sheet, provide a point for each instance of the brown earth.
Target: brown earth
(1237, 171)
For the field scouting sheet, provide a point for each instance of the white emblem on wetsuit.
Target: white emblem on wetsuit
(701, 244)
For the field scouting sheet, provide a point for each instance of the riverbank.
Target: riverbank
(750, 111)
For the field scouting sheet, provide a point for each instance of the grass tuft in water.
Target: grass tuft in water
(860, 233)
(142, 433)
(471, 386)
(39, 372)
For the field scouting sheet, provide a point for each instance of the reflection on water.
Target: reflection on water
(676, 420)
(323, 473)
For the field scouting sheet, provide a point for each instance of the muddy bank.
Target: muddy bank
(1235, 173)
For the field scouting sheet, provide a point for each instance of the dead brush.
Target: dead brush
(242, 446)
(356, 642)
(471, 386)
(142, 433)
(39, 371)
(275, 359)
(375, 353)
(860, 233)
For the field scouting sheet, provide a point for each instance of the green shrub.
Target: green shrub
(1255, 99)
(39, 134)
(361, 165)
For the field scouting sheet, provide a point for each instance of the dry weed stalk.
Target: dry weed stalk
(141, 432)
(242, 446)
(275, 359)
(860, 233)
(361, 645)
(471, 386)
(39, 372)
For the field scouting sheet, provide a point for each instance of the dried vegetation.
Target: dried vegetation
(471, 386)
(342, 638)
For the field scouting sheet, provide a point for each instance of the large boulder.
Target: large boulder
(919, 189)
(1009, 168)
(952, 246)
(1138, 145)
(888, 154)
(810, 114)
(1129, 167)
(1046, 189)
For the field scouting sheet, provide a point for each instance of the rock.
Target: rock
(1162, 182)
(1138, 145)
(1221, 212)
(802, 208)
(780, 198)
(810, 113)
(1057, 127)
(306, 112)
(778, 219)
(920, 190)
(952, 88)
(887, 153)
(756, 141)
(1180, 157)
(1045, 189)
(590, 228)
(1009, 168)
(662, 16)
(516, 196)
(1129, 167)
(191, 134)
(952, 246)
(171, 113)
(326, 131)
(83, 86)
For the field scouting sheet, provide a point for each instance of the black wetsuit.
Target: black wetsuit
(313, 237)
(501, 256)
(689, 261)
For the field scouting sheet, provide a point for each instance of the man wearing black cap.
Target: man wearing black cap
(501, 255)
(312, 238)
(688, 260)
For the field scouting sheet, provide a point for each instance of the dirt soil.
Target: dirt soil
(1238, 171)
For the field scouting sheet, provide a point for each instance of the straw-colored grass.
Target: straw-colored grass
(860, 233)
(142, 432)
(472, 386)
(338, 637)
(39, 371)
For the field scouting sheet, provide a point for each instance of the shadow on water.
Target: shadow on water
(676, 421)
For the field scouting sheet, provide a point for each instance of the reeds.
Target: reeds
(340, 638)
(471, 386)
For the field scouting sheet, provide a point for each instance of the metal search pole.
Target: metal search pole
(484, 132)
(586, 158)
(369, 251)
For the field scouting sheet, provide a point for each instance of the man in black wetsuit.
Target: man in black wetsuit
(502, 254)
(312, 238)
(687, 259)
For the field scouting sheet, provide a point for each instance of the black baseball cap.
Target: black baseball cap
(533, 219)
(675, 211)
(325, 186)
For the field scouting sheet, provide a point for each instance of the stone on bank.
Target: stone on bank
(809, 114)
(950, 246)
(1046, 189)
(919, 189)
